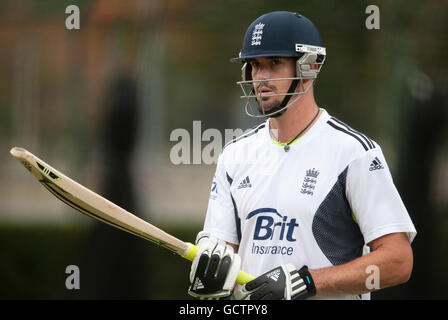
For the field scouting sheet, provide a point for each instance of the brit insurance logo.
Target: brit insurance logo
(273, 232)
(214, 189)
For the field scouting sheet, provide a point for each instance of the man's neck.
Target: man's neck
(297, 117)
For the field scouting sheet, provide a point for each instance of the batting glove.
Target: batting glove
(214, 269)
(281, 283)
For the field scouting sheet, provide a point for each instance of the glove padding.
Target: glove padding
(281, 283)
(214, 269)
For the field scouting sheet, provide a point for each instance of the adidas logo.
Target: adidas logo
(376, 164)
(274, 274)
(197, 285)
(245, 183)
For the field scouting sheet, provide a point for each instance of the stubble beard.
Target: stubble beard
(266, 104)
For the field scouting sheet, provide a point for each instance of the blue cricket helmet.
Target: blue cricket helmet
(281, 34)
(276, 34)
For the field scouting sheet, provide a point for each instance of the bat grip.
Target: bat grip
(242, 277)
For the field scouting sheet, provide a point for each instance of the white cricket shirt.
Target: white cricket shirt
(317, 204)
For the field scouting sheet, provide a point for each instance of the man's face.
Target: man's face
(271, 68)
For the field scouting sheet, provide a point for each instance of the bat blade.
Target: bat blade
(92, 204)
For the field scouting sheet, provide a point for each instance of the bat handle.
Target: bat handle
(242, 277)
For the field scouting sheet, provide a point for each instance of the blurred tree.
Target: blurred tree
(425, 127)
(115, 264)
(425, 124)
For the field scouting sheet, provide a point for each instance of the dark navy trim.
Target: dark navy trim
(366, 139)
(230, 180)
(336, 233)
(237, 219)
(235, 211)
(350, 134)
(246, 135)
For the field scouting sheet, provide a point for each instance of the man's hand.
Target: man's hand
(281, 283)
(214, 269)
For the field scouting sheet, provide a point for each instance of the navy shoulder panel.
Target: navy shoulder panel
(249, 133)
(365, 141)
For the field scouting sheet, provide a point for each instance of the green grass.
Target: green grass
(33, 261)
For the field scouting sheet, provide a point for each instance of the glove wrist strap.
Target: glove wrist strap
(306, 291)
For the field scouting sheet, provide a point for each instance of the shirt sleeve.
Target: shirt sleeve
(220, 219)
(374, 199)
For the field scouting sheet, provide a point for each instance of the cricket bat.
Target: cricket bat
(92, 204)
